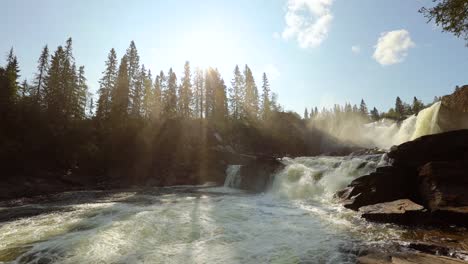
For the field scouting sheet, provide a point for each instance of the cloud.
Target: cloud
(308, 21)
(356, 49)
(392, 47)
(272, 72)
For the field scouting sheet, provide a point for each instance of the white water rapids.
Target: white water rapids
(296, 221)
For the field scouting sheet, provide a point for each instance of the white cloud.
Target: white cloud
(392, 47)
(272, 72)
(356, 49)
(308, 21)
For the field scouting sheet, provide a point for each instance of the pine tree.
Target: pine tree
(42, 68)
(216, 105)
(185, 94)
(236, 93)
(266, 103)
(12, 74)
(121, 94)
(306, 114)
(375, 114)
(363, 109)
(107, 84)
(251, 94)
(198, 101)
(55, 95)
(82, 95)
(417, 106)
(157, 105)
(170, 95)
(136, 87)
(399, 108)
(148, 100)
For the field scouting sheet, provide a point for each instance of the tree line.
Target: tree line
(401, 110)
(142, 125)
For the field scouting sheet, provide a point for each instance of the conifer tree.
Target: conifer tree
(363, 109)
(399, 108)
(82, 95)
(417, 106)
(198, 101)
(134, 79)
(266, 103)
(121, 94)
(236, 93)
(170, 95)
(185, 94)
(375, 114)
(107, 84)
(42, 68)
(157, 105)
(251, 94)
(148, 100)
(12, 75)
(306, 114)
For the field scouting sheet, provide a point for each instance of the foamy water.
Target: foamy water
(295, 222)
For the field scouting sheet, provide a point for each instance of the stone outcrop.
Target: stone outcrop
(400, 212)
(256, 175)
(431, 171)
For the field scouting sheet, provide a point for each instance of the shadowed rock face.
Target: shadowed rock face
(431, 171)
(256, 175)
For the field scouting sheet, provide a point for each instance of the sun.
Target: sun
(209, 48)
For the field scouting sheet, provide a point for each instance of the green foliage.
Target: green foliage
(451, 15)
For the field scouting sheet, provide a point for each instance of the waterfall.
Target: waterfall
(386, 133)
(233, 177)
(321, 177)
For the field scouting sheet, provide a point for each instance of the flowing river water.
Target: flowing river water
(296, 221)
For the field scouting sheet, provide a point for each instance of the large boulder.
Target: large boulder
(443, 188)
(448, 146)
(406, 258)
(402, 211)
(385, 185)
(256, 175)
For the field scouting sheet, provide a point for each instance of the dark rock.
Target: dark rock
(444, 185)
(385, 185)
(448, 146)
(403, 211)
(406, 258)
(257, 174)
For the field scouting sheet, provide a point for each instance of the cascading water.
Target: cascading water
(233, 177)
(295, 222)
(319, 178)
(386, 133)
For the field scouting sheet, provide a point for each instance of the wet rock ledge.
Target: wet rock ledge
(427, 184)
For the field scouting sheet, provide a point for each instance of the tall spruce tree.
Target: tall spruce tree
(399, 108)
(198, 101)
(121, 94)
(363, 109)
(148, 100)
(42, 68)
(375, 114)
(157, 105)
(185, 93)
(236, 93)
(82, 94)
(170, 95)
(251, 94)
(266, 103)
(134, 79)
(106, 86)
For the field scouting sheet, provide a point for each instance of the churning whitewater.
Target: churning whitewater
(296, 221)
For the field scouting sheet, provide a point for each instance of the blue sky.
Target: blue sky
(316, 52)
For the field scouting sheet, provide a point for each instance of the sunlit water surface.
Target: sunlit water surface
(297, 221)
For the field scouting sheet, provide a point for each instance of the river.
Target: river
(296, 221)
